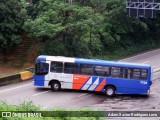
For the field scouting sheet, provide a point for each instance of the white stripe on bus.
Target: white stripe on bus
(60, 59)
(95, 84)
(89, 82)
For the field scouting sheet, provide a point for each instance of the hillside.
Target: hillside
(86, 28)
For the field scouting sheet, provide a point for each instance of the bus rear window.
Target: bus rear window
(144, 74)
(41, 68)
(136, 73)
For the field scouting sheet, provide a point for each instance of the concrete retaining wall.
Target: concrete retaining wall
(26, 75)
(10, 79)
(16, 78)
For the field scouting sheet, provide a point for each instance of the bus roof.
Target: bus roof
(91, 61)
(111, 63)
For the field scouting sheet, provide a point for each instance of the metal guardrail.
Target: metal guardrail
(143, 5)
(31, 69)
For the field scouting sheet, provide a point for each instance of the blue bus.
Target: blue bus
(110, 77)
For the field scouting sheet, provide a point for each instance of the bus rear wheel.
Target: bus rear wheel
(55, 86)
(110, 91)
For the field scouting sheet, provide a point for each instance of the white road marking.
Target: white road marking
(80, 97)
(82, 94)
(41, 93)
(85, 97)
(154, 67)
(145, 62)
(15, 88)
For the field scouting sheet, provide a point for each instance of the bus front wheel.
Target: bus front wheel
(55, 86)
(110, 91)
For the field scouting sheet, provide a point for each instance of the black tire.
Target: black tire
(55, 86)
(110, 91)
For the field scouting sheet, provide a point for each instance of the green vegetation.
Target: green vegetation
(61, 114)
(12, 17)
(90, 28)
(79, 28)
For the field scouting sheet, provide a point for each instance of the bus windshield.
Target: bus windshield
(41, 68)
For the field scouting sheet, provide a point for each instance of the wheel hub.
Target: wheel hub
(56, 86)
(109, 91)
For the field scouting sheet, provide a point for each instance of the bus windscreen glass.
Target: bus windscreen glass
(41, 68)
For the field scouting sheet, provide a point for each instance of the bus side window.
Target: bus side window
(56, 67)
(86, 69)
(144, 74)
(117, 72)
(135, 73)
(71, 68)
(128, 73)
(102, 71)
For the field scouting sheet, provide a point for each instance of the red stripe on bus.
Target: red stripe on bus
(101, 85)
(79, 81)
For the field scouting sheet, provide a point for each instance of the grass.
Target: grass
(7, 70)
(123, 53)
(59, 114)
(8, 73)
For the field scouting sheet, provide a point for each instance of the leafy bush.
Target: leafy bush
(61, 114)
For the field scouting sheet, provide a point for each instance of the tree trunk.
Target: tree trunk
(82, 2)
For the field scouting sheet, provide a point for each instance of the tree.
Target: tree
(120, 30)
(72, 26)
(85, 28)
(12, 16)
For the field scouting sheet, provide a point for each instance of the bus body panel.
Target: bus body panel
(128, 86)
(93, 82)
(39, 80)
(131, 91)
(66, 80)
(135, 84)
(79, 81)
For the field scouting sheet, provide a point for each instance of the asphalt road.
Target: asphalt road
(151, 57)
(44, 97)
